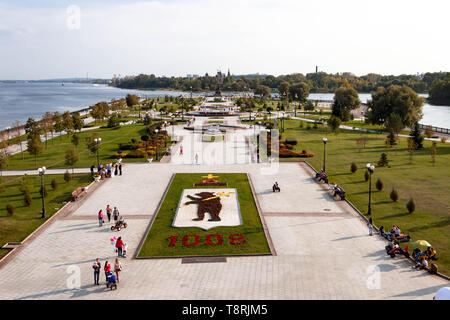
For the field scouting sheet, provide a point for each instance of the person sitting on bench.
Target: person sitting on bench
(319, 174)
(323, 177)
(338, 191)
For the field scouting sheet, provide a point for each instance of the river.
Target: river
(20, 100)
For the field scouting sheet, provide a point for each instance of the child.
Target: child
(124, 250)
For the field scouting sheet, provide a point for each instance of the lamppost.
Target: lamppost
(97, 141)
(324, 152)
(267, 142)
(165, 137)
(173, 126)
(42, 173)
(156, 145)
(370, 168)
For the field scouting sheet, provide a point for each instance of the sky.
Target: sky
(58, 39)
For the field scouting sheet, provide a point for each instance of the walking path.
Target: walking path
(323, 250)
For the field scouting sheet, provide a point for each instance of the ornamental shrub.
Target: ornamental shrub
(10, 209)
(353, 167)
(54, 184)
(67, 176)
(27, 199)
(379, 185)
(394, 195)
(411, 206)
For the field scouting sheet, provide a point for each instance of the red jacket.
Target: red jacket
(107, 268)
(119, 243)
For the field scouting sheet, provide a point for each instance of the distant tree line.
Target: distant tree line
(317, 82)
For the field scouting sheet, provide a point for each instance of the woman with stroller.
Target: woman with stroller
(107, 269)
(117, 268)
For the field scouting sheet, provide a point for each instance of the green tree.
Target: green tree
(433, 152)
(411, 206)
(132, 100)
(299, 92)
(34, 146)
(72, 157)
(113, 121)
(394, 123)
(3, 162)
(383, 162)
(75, 140)
(394, 195)
(412, 146)
(77, 122)
(401, 100)
(58, 122)
(345, 99)
(263, 91)
(67, 122)
(334, 123)
(439, 92)
(416, 136)
(283, 89)
(67, 176)
(54, 184)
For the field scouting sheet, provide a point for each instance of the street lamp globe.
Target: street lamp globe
(324, 140)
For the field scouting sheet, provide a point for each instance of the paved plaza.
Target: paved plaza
(322, 249)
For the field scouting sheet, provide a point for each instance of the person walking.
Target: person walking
(181, 149)
(116, 168)
(120, 168)
(96, 266)
(108, 212)
(117, 268)
(196, 158)
(119, 246)
(370, 224)
(100, 218)
(92, 170)
(116, 214)
(107, 269)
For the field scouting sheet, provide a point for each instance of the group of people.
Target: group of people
(109, 211)
(322, 176)
(106, 171)
(107, 269)
(338, 191)
(394, 233)
(422, 259)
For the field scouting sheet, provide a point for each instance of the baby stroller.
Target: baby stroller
(111, 281)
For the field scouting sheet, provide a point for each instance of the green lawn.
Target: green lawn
(54, 155)
(428, 185)
(25, 220)
(157, 245)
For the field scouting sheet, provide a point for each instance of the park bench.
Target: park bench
(78, 193)
(341, 195)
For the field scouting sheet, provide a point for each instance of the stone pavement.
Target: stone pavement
(323, 250)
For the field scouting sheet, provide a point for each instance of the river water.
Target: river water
(438, 116)
(20, 100)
